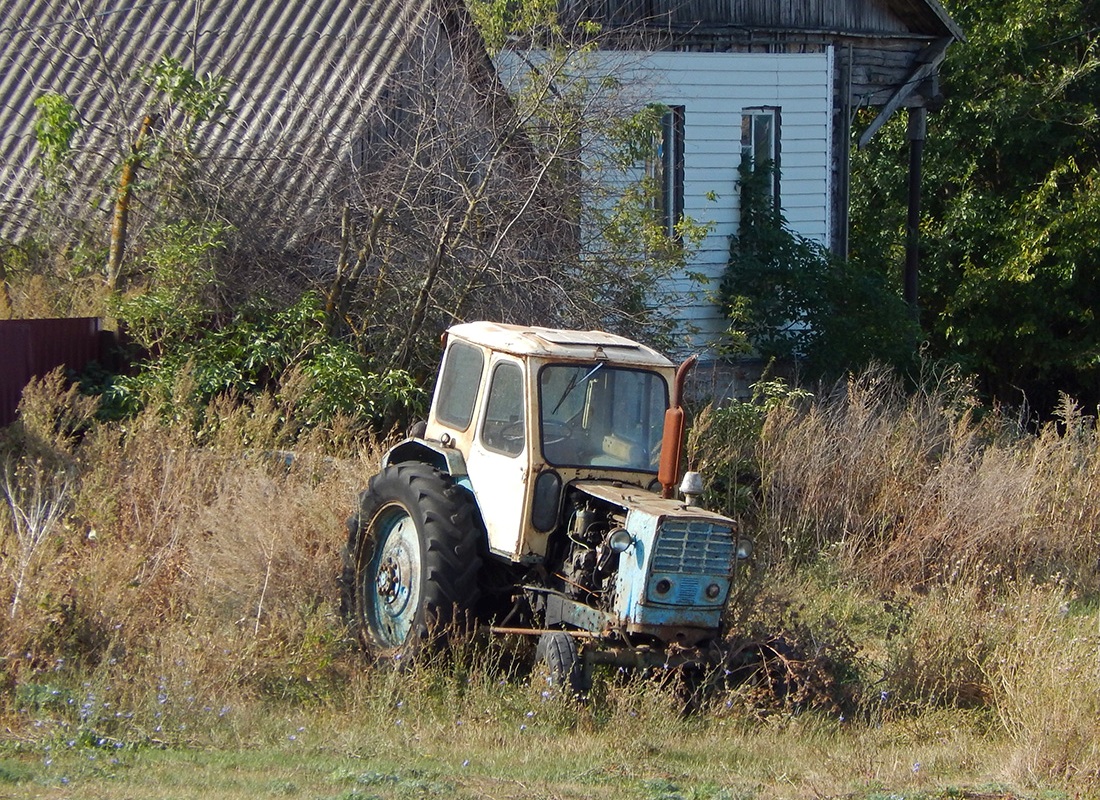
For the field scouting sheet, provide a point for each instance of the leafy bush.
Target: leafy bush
(286, 352)
(791, 299)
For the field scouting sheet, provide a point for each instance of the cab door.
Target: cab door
(499, 458)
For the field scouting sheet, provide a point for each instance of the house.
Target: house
(766, 81)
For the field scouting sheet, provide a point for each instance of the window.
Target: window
(458, 385)
(760, 145)
(504, 430)
(666, 168)
(593, 415)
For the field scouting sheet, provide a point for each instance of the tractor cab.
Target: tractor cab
(526, 411)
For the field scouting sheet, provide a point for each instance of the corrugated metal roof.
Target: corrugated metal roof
(304, 74)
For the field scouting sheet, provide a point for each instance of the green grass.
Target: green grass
(397, 735)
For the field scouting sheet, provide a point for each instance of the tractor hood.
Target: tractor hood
(633, 497)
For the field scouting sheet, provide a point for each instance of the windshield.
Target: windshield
(593, 415)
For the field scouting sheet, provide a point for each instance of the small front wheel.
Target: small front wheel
(557, 652)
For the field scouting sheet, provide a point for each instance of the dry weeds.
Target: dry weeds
(941, 563)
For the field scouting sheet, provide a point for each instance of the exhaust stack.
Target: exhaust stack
(672, 440)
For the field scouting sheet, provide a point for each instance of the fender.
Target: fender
(429, 451)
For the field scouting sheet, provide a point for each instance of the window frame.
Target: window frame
(666, 169)
(445, 390)
(750, 142)
(494, 372)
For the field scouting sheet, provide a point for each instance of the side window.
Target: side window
(504, 429)
(458, 385)
(666, 168)
(760, 144)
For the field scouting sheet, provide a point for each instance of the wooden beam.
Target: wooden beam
(930, 59)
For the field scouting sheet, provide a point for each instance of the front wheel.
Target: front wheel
(413, 557)
(557, 653)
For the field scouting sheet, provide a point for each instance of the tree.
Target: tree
(457, 200)
(1011, 209)
(480, 203)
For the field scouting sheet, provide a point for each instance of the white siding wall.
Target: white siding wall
(714, 88)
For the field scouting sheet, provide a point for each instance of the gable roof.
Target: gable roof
(875, 18)
(303, 74)
(926, 16)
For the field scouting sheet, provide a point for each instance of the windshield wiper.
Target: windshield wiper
(574, 383)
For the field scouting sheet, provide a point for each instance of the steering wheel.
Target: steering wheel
(553, 431)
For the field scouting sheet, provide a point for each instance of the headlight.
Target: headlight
(620, 540)
(744, 548)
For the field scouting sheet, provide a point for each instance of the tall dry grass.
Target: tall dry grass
(201, 555)
(957, 547)
(936, 562)
(909, 489)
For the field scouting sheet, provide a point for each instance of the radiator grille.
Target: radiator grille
(693, 547)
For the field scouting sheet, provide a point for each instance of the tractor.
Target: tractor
(542, 493)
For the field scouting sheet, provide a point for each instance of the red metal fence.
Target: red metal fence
(33, 347)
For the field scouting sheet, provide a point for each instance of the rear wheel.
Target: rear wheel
(412, 559)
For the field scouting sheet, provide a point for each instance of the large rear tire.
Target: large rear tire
(412, 560)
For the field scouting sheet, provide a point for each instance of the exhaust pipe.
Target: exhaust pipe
(672, 440)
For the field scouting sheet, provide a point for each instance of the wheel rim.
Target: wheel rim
(392, 583)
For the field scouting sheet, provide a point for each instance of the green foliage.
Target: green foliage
(56, 125)
(283, 351)
(337, 380)
(1011, 207)
(498, 20)
(723, 444)
(179, 280)
(791, 299)
(199, 99)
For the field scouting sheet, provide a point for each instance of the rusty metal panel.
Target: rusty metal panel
(14, 367)
(33, 347)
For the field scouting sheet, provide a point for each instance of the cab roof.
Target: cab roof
(553, 343)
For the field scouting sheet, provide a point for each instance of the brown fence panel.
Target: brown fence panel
(33, 347)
